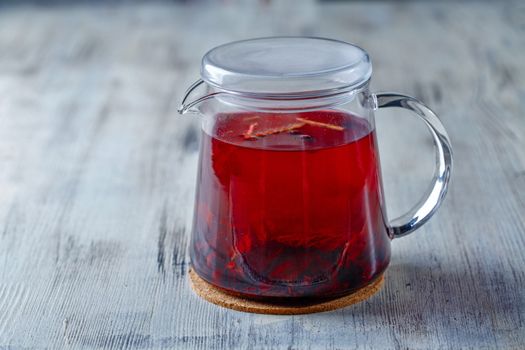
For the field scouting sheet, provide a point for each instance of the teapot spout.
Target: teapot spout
(188, 106)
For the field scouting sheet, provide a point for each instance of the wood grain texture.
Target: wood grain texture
(97, 174)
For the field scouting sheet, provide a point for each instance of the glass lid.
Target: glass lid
(286, 67)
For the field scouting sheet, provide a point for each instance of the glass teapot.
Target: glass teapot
(289, 200)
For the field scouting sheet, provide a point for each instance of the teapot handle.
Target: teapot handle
(434, 196)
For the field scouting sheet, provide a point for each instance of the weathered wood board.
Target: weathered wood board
(97, 174)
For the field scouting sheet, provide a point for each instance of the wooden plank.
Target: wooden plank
(98, 174)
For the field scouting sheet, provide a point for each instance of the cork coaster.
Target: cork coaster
(216, 296)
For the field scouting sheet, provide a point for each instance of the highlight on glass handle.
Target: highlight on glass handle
(434, 196)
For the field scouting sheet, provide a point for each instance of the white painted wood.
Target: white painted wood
(97, 176)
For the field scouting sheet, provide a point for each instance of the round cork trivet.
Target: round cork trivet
(221, 298)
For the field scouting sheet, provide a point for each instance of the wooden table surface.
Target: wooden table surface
(97, 176)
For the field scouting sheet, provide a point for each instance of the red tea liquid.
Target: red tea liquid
(289, 205)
